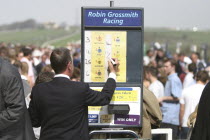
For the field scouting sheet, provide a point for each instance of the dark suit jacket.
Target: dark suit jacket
(201, 130)
(26, 87)
(14, 119)
(60, 107)
(39, 67)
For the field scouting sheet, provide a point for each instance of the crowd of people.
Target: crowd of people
(57, 103)
(31, 60)
(177, 82)
(34, 66)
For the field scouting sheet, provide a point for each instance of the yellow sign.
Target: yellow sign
(94, 108)
(105, 45)
(119, 52)
(125, 96)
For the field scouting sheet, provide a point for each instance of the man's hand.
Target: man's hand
(112, 68)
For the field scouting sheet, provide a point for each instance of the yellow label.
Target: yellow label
(106, 118)
(94, 108)
(125, 96)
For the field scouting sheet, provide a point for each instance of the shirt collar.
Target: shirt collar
(62, 75)
(24, 77)
(172, 75)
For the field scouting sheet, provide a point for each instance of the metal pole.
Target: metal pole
(111, 3)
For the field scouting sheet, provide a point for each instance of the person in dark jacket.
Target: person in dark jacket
(60, 106)
(14, 119)
(41, 64)
(201, 130)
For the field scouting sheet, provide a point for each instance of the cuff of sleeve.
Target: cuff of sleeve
(181, 101)
(112, 75)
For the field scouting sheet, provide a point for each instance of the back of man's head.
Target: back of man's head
(4, 51)
(44, 77)
(171, 61)
(26, 51)
(153, 71)
(202, 76)
(59, 59)
(76, 54)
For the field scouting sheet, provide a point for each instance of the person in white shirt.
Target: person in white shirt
(150, 56)
(190, 99)
(27, 58)
(189, 80)
(156, 86)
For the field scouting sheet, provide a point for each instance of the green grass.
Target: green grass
(60, 37)
(36, 36)
(171, 37)
(65, 41)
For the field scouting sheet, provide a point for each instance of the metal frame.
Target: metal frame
(95, 132)
(121, 28)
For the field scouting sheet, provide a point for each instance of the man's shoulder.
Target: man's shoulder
(8, 70)
(175, 79)
(153, 85)
(197, 87)
(192, 89)
(64, 82)
(186, 91)
(158, 83)
(78, 83)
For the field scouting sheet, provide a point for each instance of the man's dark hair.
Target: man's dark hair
(145, 70)
(26, 51)
(75, 54)
(17, 64)
(59, 59)
(76, 73)
(172, 61)
(196, 53)
(192, 67)
(153, 71)
(148, 51)
(4, 52)
(181, 54)
(44, 77)
(202, 76)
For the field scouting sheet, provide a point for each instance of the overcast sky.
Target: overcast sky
(158, 13)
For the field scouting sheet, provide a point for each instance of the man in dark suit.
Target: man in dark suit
(41, 64)
(14, 118)
(60, 106)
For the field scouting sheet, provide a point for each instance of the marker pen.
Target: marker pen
(112, 61)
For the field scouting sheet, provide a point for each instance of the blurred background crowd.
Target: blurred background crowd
(33, 61)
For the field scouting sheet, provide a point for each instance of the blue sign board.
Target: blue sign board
(125, 18)
(93, 118)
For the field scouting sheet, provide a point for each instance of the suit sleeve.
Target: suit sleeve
(96, 98)
(33, 111)
(14, 102)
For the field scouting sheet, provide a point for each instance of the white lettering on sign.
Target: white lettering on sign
(127, 119)
(131, 14)
(121, 119)
(113, 21)
(97, 14)
(130, 119)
